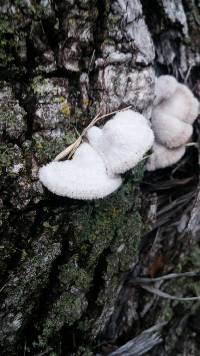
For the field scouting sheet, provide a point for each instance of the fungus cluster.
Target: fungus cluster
(122, 141)
(83, 177)
(175, 109)
(109, 151)
(94, 172)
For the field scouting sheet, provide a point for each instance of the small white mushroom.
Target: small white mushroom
(169, 130)
(123, 141)
(175, 109)
(162, 157)
(165, 87)
(175, 99)
(84, 177)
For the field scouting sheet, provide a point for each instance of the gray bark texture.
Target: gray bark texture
(70, 271)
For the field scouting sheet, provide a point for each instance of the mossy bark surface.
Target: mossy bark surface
(66, 265)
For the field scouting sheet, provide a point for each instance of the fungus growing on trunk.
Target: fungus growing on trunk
(83, 177)
(163, 157)
(175, 99)
(94, 170)
(175, 109)
(123, 141)
(169, 131)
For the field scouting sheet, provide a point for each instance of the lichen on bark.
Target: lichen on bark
(64, 263)
(63, 270)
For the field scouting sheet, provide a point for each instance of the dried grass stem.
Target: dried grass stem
(70, 150)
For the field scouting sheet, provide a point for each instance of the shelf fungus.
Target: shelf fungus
(123, 141)
(84, 177)
(174, 111)
(162, 156)
(94, 172)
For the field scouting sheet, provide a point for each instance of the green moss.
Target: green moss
(84, 351)
(9, 155)
(42, 87)
(113, 19)
(67, 309)
(139, 171)
(74, 275)
(11, 39)
(105, 220)
(12, 122)
(5, 157)
(111, 226)
(6, 33)
(65, 109)
(47, 148)
(167, 310)
(107, 6)
(109, 42)
(78, 113)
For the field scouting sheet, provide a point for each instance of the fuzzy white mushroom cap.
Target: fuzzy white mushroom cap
(169, 130)
(183, 104)
(175, 109)
(84, 177)
(123, 141)
(165, 87)
(127, 117)
(175, 99)
(162, 157)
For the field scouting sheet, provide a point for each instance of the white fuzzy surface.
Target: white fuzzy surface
(170, 131)
(84, 177)
(162, 157)
(175, 109)
(123, 141)
(182, 104)
(175, 99)
(165, 87)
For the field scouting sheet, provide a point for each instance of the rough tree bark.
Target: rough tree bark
(68, 267)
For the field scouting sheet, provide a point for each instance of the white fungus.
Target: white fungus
(83, 177)
(175, 109)
(165, 87)
(175, 99)
(169, 130)
(162, 157)
(123, 141)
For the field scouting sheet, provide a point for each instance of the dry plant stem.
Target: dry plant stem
(166, 277)
(145, 157)
(70, 150)
(162, 294)
(190, 144)
(143, 282)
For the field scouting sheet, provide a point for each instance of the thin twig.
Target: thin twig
(166, 277)
(166, 295)
(145, 157)
(91, 61)
(192, 144)
(2, 288)
(188, 73)
(144, 281)
(72, 148)
(142, 343)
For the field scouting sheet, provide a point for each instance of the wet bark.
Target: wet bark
(68, 267)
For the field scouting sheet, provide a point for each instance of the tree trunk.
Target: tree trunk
(68, 267)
